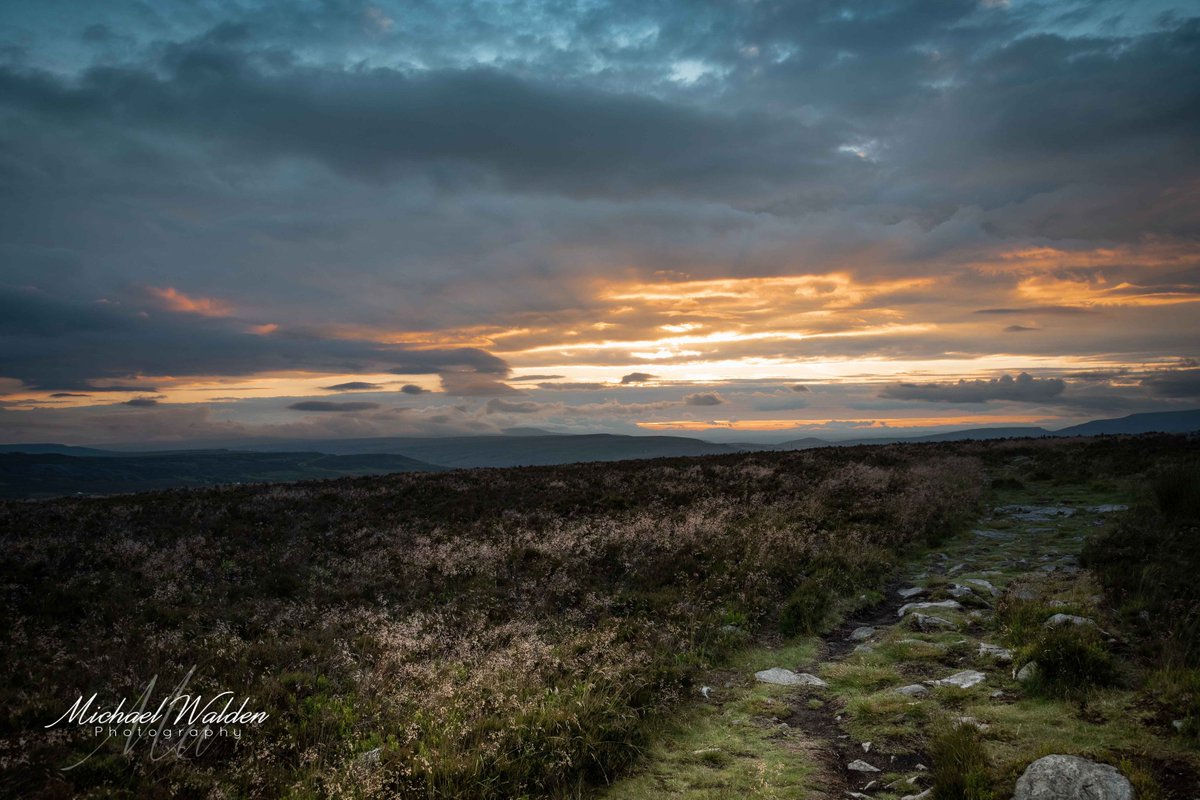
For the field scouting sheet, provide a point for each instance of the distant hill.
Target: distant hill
(53, 474)
(528, 451)
(48, 469)
(58, 449)
(1156, 422)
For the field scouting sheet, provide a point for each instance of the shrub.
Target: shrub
(1071, 659)
(806, 609)
(961, 768)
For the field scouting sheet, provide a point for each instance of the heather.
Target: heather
(482, 633)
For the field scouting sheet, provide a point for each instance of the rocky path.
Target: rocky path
(932, 648)
(858, 706)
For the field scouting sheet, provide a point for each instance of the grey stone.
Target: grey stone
(963, 680)
(979, 583)
(951, 605)
(930, 623)
(914, 690)
(1067, 619)
(1027, 673)
(861, 634)
(920, 796)
(995, 651)
(912, 591)
(785, 677)
(1061, 777)
(858, 765)
(864, 649)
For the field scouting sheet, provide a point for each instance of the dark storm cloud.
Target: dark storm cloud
(498, 406)
(372, 123)
(141, 402)
(323, 405)
(412, 388)
(1174, 383)
(353, 386)
(59, 343)
(1023, 388)
(637, 377)
(703, 399)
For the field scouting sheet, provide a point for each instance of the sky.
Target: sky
(734, 219)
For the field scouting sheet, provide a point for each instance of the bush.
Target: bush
(961, 769)
(1177, 492)
(806, 609)
(1070, 660)
(1147, 564)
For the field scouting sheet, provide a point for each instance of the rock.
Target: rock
(704, 690)
(785, 677)
(957, 568)
(861, 634)
(866, 746)
(864, 649)
(858, 765)
(1109, 508)
(959, 591)
(371, 758)
(920, 796)
(974, 723)
(1027, 673)
(1067, 619)
(963, 680)
(912, 591)
(995, 651)
(913, 690)
(928, 623)
(952, 605)
(1060, 777)
(979, 583)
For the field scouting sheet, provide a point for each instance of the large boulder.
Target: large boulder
(1069, 778)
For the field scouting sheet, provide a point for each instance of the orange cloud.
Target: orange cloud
(175, 300)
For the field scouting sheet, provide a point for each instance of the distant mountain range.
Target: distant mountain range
(40, 470)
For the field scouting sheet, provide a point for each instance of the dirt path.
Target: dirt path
(887, 678)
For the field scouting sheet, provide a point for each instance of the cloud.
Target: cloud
(1174, 383)
(1023, 388)
(1020, 329)
(323, 405)
(578, 386)
(798, 387)
(175, 300)
(703, 399)
(412, 388)
(498, 406)
(637, 377)
(353, 386)
(141, 402)
(55, 341)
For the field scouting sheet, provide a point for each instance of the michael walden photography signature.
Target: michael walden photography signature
(181, 723)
